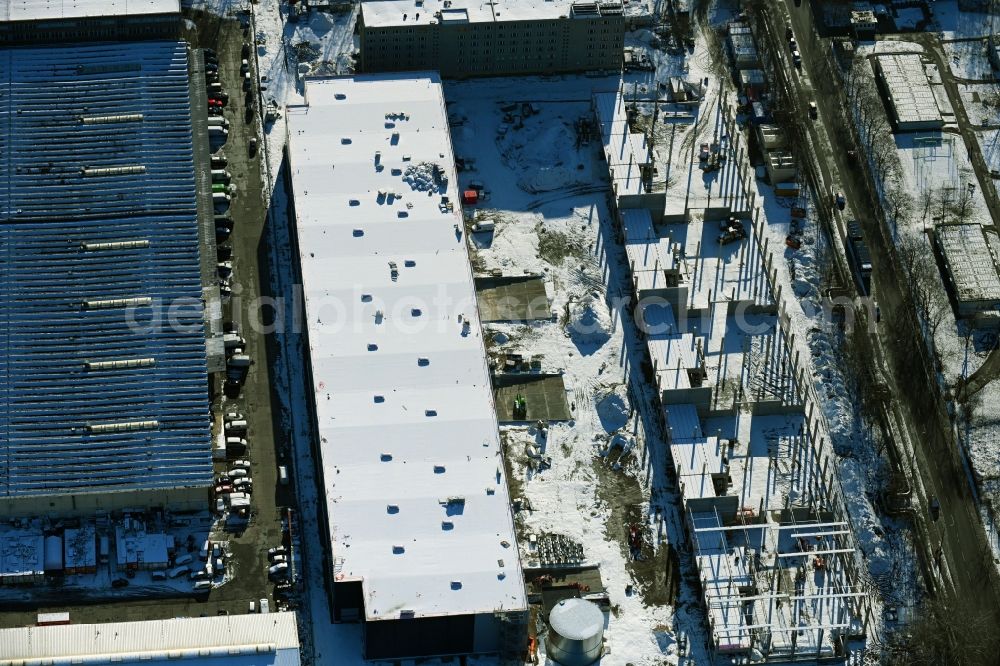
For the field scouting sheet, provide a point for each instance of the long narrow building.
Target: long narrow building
(421, 535)
(104, 399)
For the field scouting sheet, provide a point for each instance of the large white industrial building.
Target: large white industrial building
(268, 639)
(24, 21)
(421, 534)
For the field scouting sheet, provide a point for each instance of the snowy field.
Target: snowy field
(954, 24)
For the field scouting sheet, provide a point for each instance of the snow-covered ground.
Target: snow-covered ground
(562, 235)
(955, 24)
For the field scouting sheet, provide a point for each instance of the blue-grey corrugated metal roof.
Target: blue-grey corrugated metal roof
(64, 110)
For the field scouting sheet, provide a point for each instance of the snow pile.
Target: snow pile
(589, 324)
(426, 177)
(613, 408)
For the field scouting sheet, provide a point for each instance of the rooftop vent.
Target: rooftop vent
(456, 585)
(398, 550)
(114, 245)
(113, 171)
(439, 469)
(392, 508)
(447, 525)
(108, 303)
(122, 426)
(385, 457)
(120, 364)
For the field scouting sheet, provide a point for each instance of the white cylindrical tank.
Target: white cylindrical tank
(576, 632)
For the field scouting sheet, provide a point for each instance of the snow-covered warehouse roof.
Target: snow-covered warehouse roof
(102, 348)
(908, 91)
(970, 263)
(268, 639)
(417, 498)
(22, 555)
(34, 10)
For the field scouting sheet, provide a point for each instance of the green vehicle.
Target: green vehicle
(218, 187)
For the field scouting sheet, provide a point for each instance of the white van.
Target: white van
(239, 425)
(231, 341)
(283, 475)
(235, 443)
(264, 606)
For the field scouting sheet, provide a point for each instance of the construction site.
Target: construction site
(764, 514)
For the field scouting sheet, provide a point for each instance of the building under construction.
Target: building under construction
(765, 520)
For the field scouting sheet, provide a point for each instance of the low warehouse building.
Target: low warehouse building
(31, 21)
(970, 270)
(269, 639)
(22, 557)
(105, 398)
(907, 92)
(419, 526)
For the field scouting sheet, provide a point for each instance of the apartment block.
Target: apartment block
(464, 38)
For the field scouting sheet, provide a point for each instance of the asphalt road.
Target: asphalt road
(955, 545)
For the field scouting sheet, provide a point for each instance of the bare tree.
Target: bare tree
(946, 632)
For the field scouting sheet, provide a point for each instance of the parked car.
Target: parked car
(278, 559)
(119, 583)
(240, 464)
(277, 550)
(813, 111)
(796, 58)
(238, 473)
(278, 570)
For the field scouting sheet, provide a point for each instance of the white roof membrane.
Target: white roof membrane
(404, 401)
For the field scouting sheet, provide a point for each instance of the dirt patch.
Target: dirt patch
(623, 494)
(555, 246)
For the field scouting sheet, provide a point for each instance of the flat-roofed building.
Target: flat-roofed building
(464, 38)
(34, 21)
(267, 639)
(907, 92)
(970, 269)
(420, 530)
(864, 24)
(107, 247)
